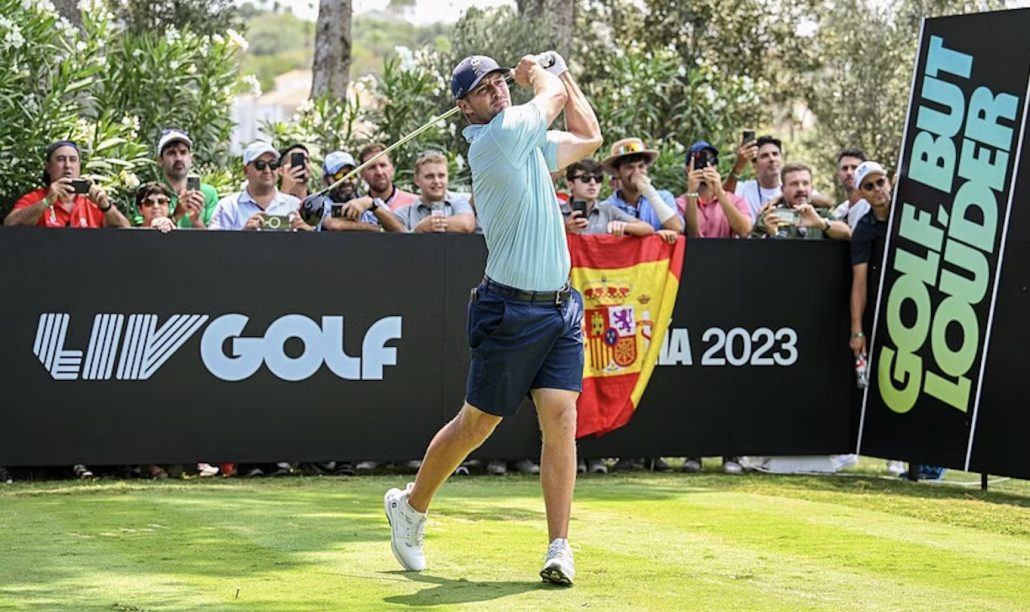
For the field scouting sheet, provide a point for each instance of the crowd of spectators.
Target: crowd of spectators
(763, 197)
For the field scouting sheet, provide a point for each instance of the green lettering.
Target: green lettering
(984, 111)
(969, 290)
(917, 226)
(972, 197)
(909, 371)
(954, 394)
(948, 95)
(940, 58)
(933, 161)
(981, 168)
(955, 362)
(908, 339)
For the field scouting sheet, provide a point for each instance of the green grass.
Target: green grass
(642, 541)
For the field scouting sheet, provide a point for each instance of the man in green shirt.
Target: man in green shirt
(174, 162)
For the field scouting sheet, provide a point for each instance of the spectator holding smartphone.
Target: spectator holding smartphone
(295, 168)
(585, 215)
(175, 162)
(66, 200)
(260, 201)
(437, 209)
(793, 215)
(710, 210)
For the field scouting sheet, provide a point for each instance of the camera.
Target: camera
(581, 206)
(276, 222)
(80, 185)
(787, 215)
(193, 183)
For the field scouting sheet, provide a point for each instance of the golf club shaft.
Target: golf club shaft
(447, 115)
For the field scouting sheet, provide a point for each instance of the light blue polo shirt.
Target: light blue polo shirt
(511, 159)
(642, 209)
(233, 210)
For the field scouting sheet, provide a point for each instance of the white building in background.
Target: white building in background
(250, 112)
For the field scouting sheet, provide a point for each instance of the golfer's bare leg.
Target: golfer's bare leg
(556, 410)
(450, 446)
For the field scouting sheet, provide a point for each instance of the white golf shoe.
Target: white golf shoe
(407, 528)
(559, 568)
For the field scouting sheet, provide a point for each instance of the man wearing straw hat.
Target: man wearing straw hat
(628, 162)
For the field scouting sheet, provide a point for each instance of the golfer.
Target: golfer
(525, 333)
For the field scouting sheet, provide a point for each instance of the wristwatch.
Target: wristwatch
(376, 203)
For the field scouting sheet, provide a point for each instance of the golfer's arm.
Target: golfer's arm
(548, 93)
(584, 133)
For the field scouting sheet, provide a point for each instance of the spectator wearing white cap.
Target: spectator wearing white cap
(349, 211)
(867, 244)
(260, 203)
(175, 161)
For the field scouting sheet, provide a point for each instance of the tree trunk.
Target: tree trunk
(331, 66)
(69, 9)
(559, 15)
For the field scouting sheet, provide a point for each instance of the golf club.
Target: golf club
(545, 60)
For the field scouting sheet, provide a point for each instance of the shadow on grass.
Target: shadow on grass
(446, 591)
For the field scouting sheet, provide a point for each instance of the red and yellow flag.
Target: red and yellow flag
(629, 288)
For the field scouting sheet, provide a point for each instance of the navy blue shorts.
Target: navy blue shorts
(518, 345)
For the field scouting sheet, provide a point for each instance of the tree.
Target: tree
(69, 9)
(331, 66)
(556, 16)
(199, 16)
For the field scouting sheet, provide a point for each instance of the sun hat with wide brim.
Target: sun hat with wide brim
(625, 147)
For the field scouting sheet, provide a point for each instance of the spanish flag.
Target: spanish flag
(629, 288)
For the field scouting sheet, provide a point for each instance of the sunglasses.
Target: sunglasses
(342, 172)
(159, 201)
(590, 178)
(878, 183)
(261, 164)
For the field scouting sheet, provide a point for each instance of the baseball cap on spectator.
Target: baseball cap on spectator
(625, 147)
(256, 149)
(469, 72)
(172, 135)
(335, 161)
(865, 169)
(699, 146)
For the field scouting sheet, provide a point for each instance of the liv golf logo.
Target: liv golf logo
(140, 347)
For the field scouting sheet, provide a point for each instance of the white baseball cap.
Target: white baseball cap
(256, 149)
(170, 135)
(865, 169)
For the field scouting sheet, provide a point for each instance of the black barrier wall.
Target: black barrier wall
(127, 347)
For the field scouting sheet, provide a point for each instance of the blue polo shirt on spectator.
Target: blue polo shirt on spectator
(511, 159)
(643, 209)
(233, 210)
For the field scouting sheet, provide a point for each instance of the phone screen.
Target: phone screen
(580, 205)
(193, 183)
(747, 136)
(297, 160)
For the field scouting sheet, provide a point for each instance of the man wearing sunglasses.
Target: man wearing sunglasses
(349, 211)
(583, 213)
(260, 201)
(867, 248)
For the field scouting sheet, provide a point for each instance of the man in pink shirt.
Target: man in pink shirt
(711, 211)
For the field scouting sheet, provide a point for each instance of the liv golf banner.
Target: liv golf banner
(952, 333)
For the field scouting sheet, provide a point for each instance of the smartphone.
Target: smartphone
(747, 136)
(276, 222)
(787, 215)
(192, 183)
(80, 185)
(702, 160)
(336, 210)
(580, 205)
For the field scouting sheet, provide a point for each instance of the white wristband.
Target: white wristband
(662, 209)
